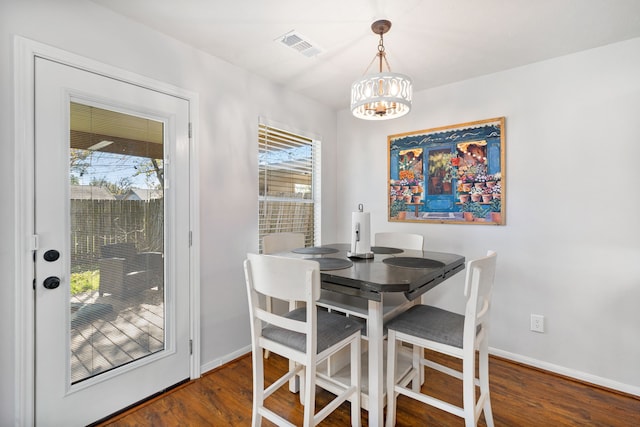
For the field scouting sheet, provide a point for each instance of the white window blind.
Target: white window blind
(288, 183)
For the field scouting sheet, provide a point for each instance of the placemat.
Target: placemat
(385, 250)
(412, 262)
(315, 250)
(329, 263)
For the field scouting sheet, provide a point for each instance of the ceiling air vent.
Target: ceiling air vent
(298, 42)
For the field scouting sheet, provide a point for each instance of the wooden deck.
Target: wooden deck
(107, 332)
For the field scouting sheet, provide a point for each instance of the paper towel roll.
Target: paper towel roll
(360, 232)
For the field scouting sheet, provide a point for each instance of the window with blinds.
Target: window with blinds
(288, 170)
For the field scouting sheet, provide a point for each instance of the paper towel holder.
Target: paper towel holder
(356, 230)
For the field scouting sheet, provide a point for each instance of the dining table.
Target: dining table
(375, 288)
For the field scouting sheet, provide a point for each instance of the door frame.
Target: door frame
(25, 52)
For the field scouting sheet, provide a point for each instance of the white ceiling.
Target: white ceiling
(434, 41)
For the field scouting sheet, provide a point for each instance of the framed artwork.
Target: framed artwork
(449, 175)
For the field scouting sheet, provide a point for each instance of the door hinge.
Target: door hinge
(189, 129)
(33, 242)
(190, 346)
(190, 238)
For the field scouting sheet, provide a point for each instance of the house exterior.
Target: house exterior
(90, 192)
(569, 249)
(144, 194)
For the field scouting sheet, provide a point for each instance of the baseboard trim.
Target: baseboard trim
(631, 390)
(216, 363)
(595, 380)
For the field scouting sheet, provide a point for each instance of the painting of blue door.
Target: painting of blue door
(451, 174)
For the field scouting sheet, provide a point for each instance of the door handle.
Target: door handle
(51, 282)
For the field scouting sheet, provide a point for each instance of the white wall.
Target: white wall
(571, 246)
(231, 100)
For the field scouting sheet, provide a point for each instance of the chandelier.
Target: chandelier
(381, 96)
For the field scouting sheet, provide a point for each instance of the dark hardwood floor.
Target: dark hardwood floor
(520, 396)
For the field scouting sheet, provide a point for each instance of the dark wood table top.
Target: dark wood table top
(368, 278)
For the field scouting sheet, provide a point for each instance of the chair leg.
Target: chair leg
(392, 348)
(469, 390)
(423, 375)
(258, 386)
(418, 379)
(301, 379)
(356, 378)
(483, 369)
(309, 390)
(268, 307)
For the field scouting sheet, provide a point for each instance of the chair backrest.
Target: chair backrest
(290, 279)
(151, 261)
(118, 250)
(282, 242)
(400, 240)
(478, 288)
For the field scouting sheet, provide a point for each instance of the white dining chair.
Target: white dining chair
(280, 242)
(457, 335)
(409, 241)
(306, 336)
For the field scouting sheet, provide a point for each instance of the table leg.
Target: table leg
(376, 362)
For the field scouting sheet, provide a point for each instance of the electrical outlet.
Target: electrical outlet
(537, 323)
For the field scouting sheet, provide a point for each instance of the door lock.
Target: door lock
(51, 255)
(51, 282)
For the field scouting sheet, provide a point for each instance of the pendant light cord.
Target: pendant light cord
(381, 55)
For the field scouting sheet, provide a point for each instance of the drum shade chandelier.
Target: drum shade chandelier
(384, 95)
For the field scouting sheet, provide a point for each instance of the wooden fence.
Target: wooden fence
(95, 223)
(277, 216)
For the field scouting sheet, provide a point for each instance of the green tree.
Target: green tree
(79, 161)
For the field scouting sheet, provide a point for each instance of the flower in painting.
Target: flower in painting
(496, 189)
(406, 175)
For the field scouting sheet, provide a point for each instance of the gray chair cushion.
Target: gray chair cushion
(332, 328)
(430, 323)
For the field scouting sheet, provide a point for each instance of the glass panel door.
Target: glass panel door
(111, 268)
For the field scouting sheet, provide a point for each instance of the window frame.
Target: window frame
(281, 137)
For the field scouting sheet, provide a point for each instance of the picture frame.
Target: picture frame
(449, 175)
